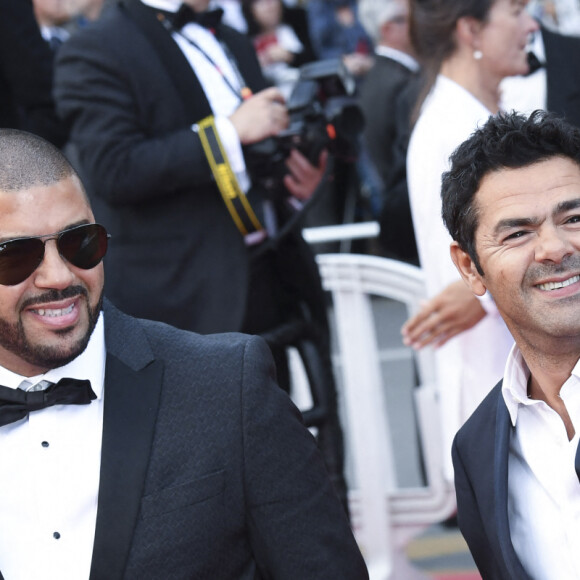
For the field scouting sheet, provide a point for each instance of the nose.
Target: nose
(553, 245)
(54, 270)
(531, 23)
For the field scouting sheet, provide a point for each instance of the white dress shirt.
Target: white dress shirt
(544, 491)
(49, 477)
(470, 364)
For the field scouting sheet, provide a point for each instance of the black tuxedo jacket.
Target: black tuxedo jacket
(480, 460)
(206, 470)
(131, 98)
(563, 80)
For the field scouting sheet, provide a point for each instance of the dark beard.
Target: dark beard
(13, 337)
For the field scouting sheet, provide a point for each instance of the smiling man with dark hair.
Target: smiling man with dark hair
(511, 202)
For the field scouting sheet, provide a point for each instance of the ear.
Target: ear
(467, 32)
(467, 269)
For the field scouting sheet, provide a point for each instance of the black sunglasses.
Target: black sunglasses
(83, 246)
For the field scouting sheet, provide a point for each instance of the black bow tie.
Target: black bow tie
(534, 63)
(15, 404)
(186, 14)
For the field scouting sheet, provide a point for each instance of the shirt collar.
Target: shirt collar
(90, 365)
(515, 382)
(167, 5)
(401, 57)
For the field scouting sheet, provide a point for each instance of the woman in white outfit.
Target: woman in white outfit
(467, 47)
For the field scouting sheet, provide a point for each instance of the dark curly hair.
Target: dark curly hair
(506, 141)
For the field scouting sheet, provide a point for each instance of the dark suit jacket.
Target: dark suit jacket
(131, 98)
(378, 99)
(563, 80)
(206, 469)
(387, 98)
(480, 460)
(26, 70)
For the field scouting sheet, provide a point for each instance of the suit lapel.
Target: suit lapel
(503, 431)
(245, 57)
(132, 390)
(177, 66)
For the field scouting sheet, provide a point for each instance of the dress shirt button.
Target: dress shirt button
(44, 443)
(56, 535)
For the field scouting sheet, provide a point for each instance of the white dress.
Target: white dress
(470, 364)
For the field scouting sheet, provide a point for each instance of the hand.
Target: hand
(262, 115)
(452, 311)
(304, 177)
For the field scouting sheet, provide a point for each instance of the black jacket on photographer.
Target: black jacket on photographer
(175, 254)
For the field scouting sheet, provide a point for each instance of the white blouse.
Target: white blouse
(470, 364)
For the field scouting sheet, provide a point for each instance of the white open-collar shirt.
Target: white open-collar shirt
(543, 488)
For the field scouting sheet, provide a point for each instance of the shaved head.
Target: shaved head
(27, 160)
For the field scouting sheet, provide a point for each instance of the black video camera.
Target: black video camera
(323, 115)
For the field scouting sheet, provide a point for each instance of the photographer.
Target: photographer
(141, 90)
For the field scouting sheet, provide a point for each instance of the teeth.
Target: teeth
(55, 312)
(557, 285)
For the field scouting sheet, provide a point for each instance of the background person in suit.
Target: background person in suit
(184, 459)
(511, 202)
(553, 85)
(133, 89)
(26, 74)
(58, 19)
(387, 98)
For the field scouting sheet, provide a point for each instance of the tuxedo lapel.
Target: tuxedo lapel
(245, 57)
(132, 390)
(178, 68)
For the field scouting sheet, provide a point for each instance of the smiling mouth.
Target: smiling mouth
(557, 285)
(54, 312)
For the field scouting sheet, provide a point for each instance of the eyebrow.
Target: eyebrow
(511, 223)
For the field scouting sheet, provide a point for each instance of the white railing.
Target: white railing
(385, 517)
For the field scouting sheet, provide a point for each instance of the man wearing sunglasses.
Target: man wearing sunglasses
(130, 449)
